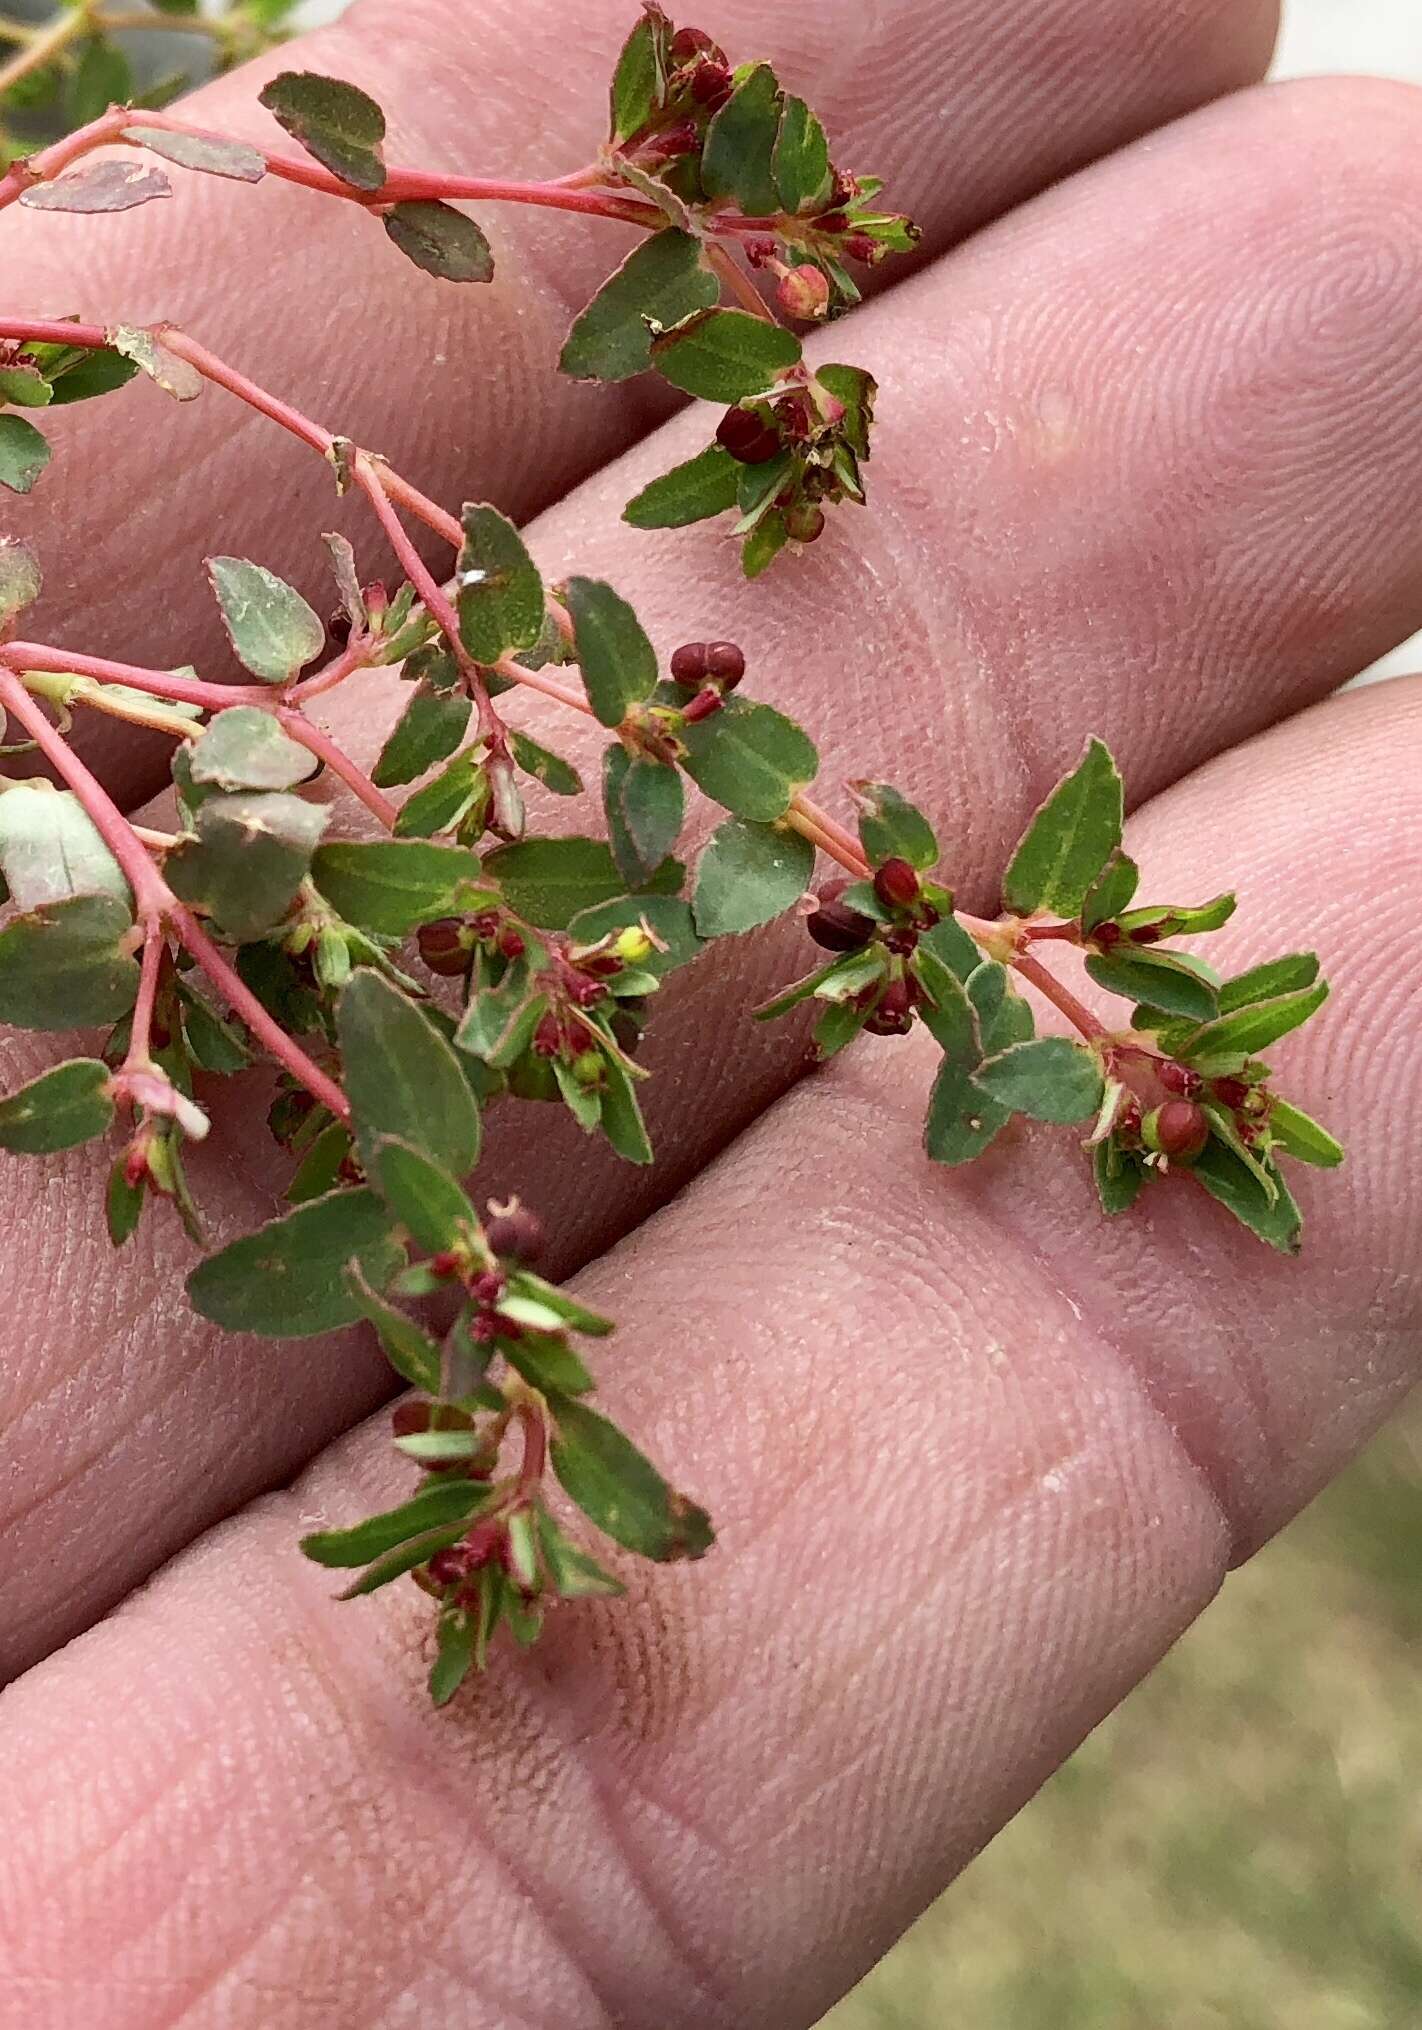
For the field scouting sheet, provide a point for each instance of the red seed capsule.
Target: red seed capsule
(896, 884)
(688, 664)
(806, 522)
(894, 1014)
(860, 247)
(835, 927)
(725, 662)
(804, 293)
(1233, 1092)
(1148, 934)
(747, 438)
(446, 947)
(548, 1036)
(1179, 1129)
(517, 1234)
(688, 43)
(1106, 936)
(407, 1419)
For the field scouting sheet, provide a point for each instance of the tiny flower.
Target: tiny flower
(804, 292)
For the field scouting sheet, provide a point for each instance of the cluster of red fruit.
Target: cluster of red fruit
(710, 669)
(836, 926)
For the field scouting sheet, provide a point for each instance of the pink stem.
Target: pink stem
(155, 943)
(434, 601)
(340, 764)
(1076, 1012)
(244, 1003)
(739, 282)
(31, 655)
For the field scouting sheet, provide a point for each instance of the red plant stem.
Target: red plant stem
(370, 482)
(340, 764)
(155, 900)
(263, 1026)
(845, 847)
(354, 656)
(33, 655)
(1076, 1012)
(739, 282)
(155, 943)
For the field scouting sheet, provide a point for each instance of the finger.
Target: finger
(1182, 493)
(458, 386)
(978, 1455)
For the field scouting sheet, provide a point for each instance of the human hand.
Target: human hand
(1147, 465)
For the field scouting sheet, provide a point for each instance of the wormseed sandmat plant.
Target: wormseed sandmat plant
(247, 936)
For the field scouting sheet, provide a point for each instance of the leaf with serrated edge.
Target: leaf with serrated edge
(402, 1078)
(58, 1110)
(693, 492)
(660, 283)
(1049, 1079)
(273, 631)
(725, 355)
(214, 155)
(750, 758)
(1070, 839)
(618, 662)
(748, 875)
(620, 1490)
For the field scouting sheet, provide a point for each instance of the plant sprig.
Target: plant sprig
(249, 935)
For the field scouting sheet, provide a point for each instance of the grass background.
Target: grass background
(1240, 1846)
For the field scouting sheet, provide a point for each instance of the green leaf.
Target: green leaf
(1172, 981)
(1068, 843)
(24, 453)
(738, 160)
(618, 662)
(1111, 891)
(1049, 1079)
(1181, 919)
(946, 941)
(961, 1120)
(444, 242)
(336, 122)
(430, 728)
(622, 1121)
(544, 765)
(449, 1500)
(574, 1574)
(724, 355)
(402, 1078)
(446, 800)
(550, 881)
(19, 577)
(123, 1205)
(202, 152)
(245, 748)
(948, 1014)
(67, 965)
(79, 373)
(1276, 1221)
(1288, 975)
(274, 632)
(320, 1169)
(573, 1314)
(661, 282)
(1120, 1178)
(621, 1491)
(247, 859)
(390, 886)
(639, 81)
(1299, 1135)
(455, 1635)
(704, 486)
(499, 1021)
(667, 917)
(501, 602)
(1228, 1040)
(428, 1202)
(289, 1280)
(645, 802)
(51, 849)
(750, 758)
(764, 543)
(748, 875)
(411, 1352)
(544, 1359)
(892, 828)
(58, 1110)
(25, 386)
(801, 162)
